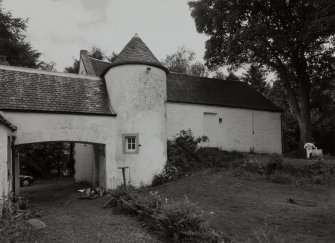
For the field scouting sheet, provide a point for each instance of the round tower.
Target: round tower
(136, 84)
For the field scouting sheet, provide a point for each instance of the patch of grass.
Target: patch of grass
(239, 206)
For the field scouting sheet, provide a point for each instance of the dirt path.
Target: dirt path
(70, 219)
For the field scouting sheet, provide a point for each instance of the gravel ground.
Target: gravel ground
(70, 219)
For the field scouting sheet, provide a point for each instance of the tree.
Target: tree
(292, 38)
(74, 68)
(112, 57)
(232, 77)
(255, 77)
(96, 53)
(182, 61)
(14, 49)
(219, 75)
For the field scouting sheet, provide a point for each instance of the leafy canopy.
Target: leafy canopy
(295, 39)
(265, 31)
(14, 49)
(183, 61)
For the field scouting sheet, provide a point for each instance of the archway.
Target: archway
(43, 162)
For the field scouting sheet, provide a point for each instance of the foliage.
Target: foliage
(74, 68)
(232, 77)
(255, 77)
(185, 156)
(176, 221)
(13, 228)
(216, 158)
(183, 62)
(46, 159)
(183, 221)
(219, 75)
(295, 39)
(284, 173)
(15, 50)
(182, 151)
(96, 53)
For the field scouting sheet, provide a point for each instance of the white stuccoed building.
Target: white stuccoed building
(121, 114)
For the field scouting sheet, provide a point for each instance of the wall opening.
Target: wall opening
(49, 170)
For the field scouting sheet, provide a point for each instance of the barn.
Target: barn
(121, 114)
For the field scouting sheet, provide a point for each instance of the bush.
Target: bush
(14, 228)
(175, 221)
(183, 221)
(274, 164)
(253, 165)
(181, 151)
(215, 158)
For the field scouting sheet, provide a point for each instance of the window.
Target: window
(130, 143)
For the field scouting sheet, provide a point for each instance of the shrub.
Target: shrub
(14, 228)
(216, 158)
(178, 221)
(184, 221)
(159, 179)
(253, 165)
(182, 151)
(274, 164)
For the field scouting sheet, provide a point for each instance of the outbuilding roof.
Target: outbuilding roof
(7, 123)
(99, 66)
(184, 88)
(24, 89)
(137, 52)
(208, 91)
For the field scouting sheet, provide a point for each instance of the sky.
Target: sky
(59, 29)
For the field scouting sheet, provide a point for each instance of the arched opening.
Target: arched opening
(45, 170)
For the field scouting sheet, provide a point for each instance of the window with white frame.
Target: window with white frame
(130, 143)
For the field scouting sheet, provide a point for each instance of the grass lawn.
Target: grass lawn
(245, 208)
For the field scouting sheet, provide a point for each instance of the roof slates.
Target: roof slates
(197, 90)
(35, 91)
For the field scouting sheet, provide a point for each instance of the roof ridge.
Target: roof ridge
(46, 72)
(99, 60)
(213, 79)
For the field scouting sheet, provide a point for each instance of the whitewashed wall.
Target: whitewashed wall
(4, 183)
(241, 129)
(46, 127)
(138, 97)
(84, 162)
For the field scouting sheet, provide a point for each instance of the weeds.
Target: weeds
(13, 225)
(178, 221)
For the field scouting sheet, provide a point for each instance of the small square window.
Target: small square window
(130, 143)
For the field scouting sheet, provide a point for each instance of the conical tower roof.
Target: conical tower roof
(137, 52)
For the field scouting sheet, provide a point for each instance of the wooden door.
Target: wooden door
(211, 129)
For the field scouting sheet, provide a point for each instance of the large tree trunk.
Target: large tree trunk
(301, 107)
(305, 128)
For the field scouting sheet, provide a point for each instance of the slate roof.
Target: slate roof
(137, 52)
(207, 91)
(7, 123)
(99, 66)
(30, 90)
